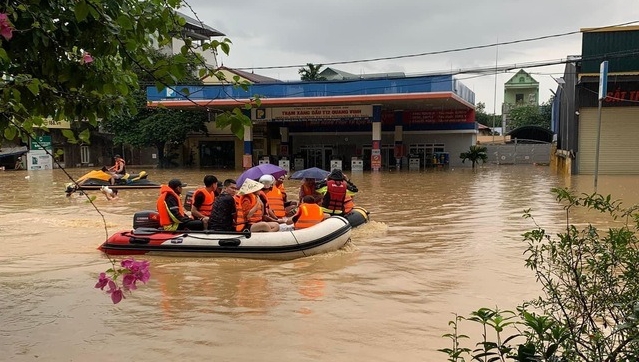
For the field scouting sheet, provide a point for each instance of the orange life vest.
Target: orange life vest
(207, 205)
(276, 201)
(240, 219)
(348, 204)
(119, 162)
(165, 215)
(309, 215)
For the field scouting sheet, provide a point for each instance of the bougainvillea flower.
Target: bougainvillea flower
(6, 29)
(139, 269)
(102, 281)
(129, 282)
(86, 58)
(117, 296)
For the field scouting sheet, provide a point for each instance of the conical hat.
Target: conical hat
(249, 186)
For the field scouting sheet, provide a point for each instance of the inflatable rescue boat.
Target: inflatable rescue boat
(329, 235)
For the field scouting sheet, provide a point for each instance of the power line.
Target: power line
(438, 52)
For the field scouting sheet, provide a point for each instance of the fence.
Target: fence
(519, 152)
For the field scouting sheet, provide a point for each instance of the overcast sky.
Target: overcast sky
(293, 32)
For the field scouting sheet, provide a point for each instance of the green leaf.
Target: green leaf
(34, 86)
(4, 58)
(68, 134)
(85, 136)
(125, 22)
(81, 10)
(10, 133)
(225, 48)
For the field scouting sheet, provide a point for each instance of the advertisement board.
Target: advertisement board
(39, 160)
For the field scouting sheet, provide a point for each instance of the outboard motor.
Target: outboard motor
(146, 219)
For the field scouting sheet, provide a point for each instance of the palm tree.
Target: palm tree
(475, 154)
(311, 72)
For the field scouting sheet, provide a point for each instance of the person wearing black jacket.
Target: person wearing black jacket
(223, 212)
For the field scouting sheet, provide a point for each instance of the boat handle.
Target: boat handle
(229, 242)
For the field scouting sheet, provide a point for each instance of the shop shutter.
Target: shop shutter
(619, 143)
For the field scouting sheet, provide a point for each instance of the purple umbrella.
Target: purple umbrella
(255, 172)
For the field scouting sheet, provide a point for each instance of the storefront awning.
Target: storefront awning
(12, 151)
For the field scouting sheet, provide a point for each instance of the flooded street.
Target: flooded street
(440, 242)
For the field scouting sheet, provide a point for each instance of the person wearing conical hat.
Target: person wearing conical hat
(251, 210)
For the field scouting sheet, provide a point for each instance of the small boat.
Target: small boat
(329, 235)
(94, 180)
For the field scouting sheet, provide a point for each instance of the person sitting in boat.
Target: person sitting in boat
(118, 170)
(251, 209)
(203, 199)
(171, 210)
(275, 210)
(224, 210)
(289, 206)
(337, 193)
(309, 188)
(308, 214)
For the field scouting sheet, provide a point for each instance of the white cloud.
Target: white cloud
(292, 32)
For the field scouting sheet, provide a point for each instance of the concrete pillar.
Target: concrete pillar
(376, 153)
(247, 160)
(399, 134)
(284, 150)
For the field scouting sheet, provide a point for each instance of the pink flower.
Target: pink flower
(129, 282)
(117, 296)
(86, 58)
(139, 269)
(102, 281)
(115, 291)
(6, 29)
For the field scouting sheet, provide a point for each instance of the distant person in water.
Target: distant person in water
(110, 194)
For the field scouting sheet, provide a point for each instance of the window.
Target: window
(84, 154)
(522, 80)
(519, 97)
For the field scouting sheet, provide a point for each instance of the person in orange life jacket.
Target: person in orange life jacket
(289, 206)
(118, 170)
(224, 210)
(203, 199)
(252, 208)
(308, 214)
(338, 192)
(275, 210)
(309, 187)
(171, 210)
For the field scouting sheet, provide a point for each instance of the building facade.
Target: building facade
(381, 122)
(580, 126)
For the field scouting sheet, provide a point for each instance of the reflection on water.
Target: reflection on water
(440, 242)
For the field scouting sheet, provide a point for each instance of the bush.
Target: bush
(589, 310)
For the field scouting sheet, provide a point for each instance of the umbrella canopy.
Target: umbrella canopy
(313, 172)
(255, 172)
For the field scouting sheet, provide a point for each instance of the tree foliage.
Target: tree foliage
(589, 309)
(311, 72)
(157, 127)
(531, 115)
(475, 154)
(486, 119)
(74, 59)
